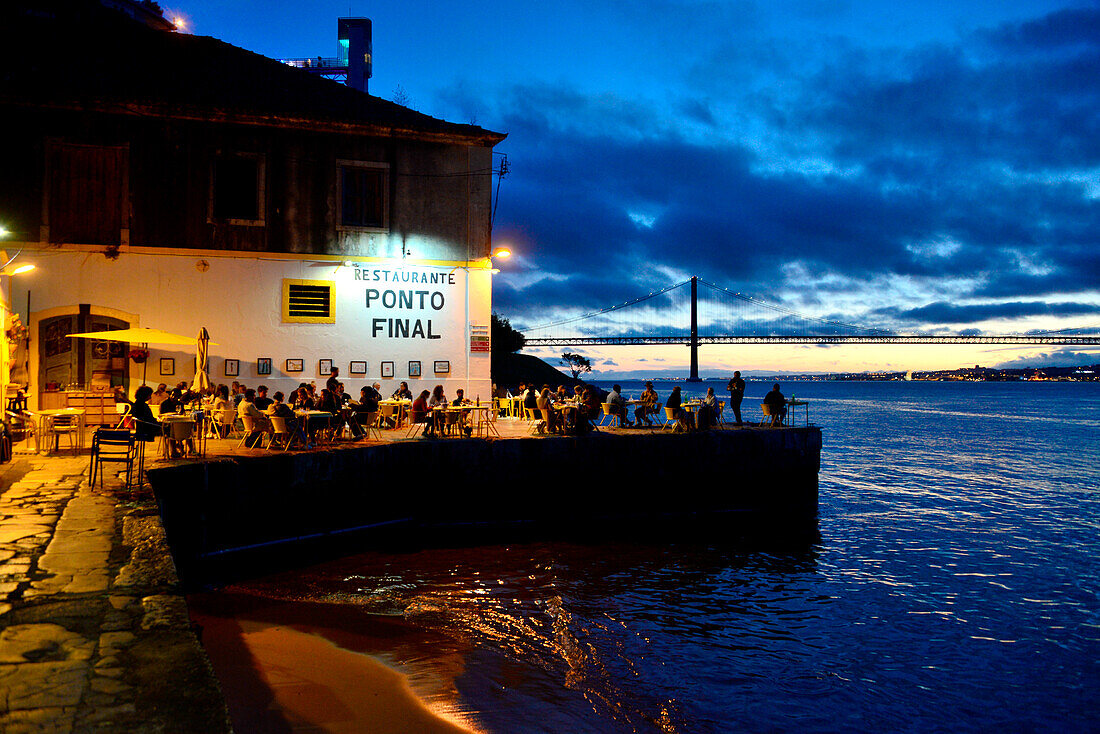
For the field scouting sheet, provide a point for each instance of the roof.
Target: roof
(75, 54)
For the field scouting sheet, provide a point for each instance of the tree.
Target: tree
(505, 339)
(577, 363)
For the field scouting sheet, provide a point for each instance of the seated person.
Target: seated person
(778, 405)
(160, 395)
(547, 413)
(618, 406)
(531, 402)
(146, 427)
(262, 401)
(328, 404)
(222, 410)
(590, 400)
(279, 409)
(369, 398)
(647, 406)
(173, 403)
(260, 424)
(707, 414)
(683, 418)
(403, 392)
(302, 399)
(421, 413)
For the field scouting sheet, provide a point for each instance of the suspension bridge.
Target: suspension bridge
(716, 315)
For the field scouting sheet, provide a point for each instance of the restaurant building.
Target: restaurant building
(163, 180)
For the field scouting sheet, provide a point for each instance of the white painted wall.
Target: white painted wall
(239, 301)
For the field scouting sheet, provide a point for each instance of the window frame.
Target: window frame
(341, 165)
(261, 189)
(288, 319)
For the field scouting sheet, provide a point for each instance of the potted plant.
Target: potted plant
(139, 355)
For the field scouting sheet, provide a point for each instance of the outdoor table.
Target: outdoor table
(402, 409)
(304, 419)
(792, 403)
(166, 421)
(484, 418)
(44, 421)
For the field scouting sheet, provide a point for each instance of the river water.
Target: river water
(954, 586)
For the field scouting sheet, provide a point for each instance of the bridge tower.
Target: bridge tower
(694, 341)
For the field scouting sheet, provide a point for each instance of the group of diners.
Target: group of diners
(429, 409)
(563, 411)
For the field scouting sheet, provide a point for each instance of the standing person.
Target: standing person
(331, 382)
(736, 387)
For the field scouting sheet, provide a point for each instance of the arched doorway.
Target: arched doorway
(80, 364)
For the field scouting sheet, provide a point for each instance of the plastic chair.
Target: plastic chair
(249, 429)
(775, 416)
(279, 429)
(369, 422)
(223, 420)
(670, 419)
(112, 446)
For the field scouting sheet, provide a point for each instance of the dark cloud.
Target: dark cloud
(974, 161)
(949, 313)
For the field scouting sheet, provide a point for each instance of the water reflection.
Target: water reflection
(563, 630)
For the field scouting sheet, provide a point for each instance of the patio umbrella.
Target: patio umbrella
(141, 334)
(202, 380)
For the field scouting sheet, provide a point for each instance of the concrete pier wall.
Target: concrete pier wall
(475, 488)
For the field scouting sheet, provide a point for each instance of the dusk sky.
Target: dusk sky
(930, 167)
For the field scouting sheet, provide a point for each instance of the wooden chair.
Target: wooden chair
(112, 446)
(609, 415)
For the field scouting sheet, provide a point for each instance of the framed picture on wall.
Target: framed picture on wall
(357, 368)
(387, 369)
(324, 367)
(295, 365)
(232, 368)
(442, 367)
(414, 369)
(167, 366)
(263, 366)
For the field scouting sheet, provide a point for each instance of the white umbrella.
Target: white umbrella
(138, 334)
(202, 380)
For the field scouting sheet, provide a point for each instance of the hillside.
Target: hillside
(509, 369)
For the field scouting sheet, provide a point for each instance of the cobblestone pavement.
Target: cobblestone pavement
(94, 632)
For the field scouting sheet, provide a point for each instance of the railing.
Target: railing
(316, 62)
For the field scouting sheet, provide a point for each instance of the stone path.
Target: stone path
(94, 632)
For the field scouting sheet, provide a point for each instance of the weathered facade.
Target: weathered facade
(172, 181)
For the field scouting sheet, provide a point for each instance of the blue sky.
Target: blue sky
(927, 166)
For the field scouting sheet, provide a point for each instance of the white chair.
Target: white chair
(249, 429)
(280, 430)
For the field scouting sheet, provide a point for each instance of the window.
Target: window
(87, 193)
(364, 195)
(237, 189)
(309, 301)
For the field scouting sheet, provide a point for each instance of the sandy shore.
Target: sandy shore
(282, 673)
